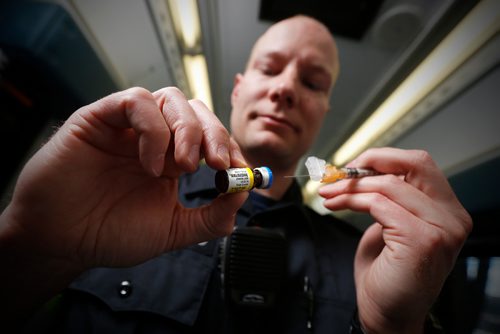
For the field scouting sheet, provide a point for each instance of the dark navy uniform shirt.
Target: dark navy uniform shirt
(180, 291)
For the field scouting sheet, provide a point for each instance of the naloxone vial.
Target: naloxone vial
(243, 179)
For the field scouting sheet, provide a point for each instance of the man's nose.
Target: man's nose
(284, 90)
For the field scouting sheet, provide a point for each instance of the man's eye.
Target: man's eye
(312, 85)
(268, 71)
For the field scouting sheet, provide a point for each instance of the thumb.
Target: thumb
(220, 216)
(369, 248)
(194, 225)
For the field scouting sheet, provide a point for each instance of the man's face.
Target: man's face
(280, 101)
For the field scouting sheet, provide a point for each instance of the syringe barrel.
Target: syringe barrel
(353, 173)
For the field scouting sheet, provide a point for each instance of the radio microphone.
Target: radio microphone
(253, 266)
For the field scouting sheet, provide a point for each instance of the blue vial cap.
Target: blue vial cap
(267, 177)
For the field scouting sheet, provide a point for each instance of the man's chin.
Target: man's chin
(274, 138)
(273, 143)
(274, 153)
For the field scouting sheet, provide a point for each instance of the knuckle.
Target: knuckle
(137, 92)
(457, 240)
(467, 222)
(198, 102)
(392, 180)
(217, 131)
(183, 124)
(466, 228)
(447, 242)
(422, 157)
(378, 204)
(215, 137)
(172, 90)
(434, 238)
(134, 96)
(379, 200)
(169, 95)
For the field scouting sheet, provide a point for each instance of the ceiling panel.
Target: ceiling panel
(125, 31)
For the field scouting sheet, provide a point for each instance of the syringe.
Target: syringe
(319, 170)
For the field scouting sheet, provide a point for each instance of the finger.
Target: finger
(394, 189)
(237, 159)
(417, 166)
(422, 173)
(392, 215)
(401, 229)
(370, 246)
(133, 108)
(377, 205)
(210, 221)
(184, 124)
(405, 235)
(219, 216)
(215, 143)
(390, 160)
(379, 195)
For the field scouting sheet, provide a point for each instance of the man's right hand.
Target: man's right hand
(103, 190)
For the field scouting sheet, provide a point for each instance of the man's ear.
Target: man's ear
(236, 87)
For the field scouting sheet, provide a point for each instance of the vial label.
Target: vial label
(240, 179)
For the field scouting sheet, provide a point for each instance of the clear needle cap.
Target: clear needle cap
(316, 168)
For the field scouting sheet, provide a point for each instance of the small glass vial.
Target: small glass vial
(243, 179)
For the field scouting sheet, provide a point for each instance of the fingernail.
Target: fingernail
(223, 154)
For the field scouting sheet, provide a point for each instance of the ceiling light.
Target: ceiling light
(187, 23)
(481, 24)
(197, 74)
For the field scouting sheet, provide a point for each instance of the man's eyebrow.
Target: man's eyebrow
(313, 65)
(278, 55)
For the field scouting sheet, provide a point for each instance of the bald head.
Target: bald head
(304, 30)
(280, 101)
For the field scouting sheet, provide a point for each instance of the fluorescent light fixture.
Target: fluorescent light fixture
(197, 74)
(481, 24)
(187, 23)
